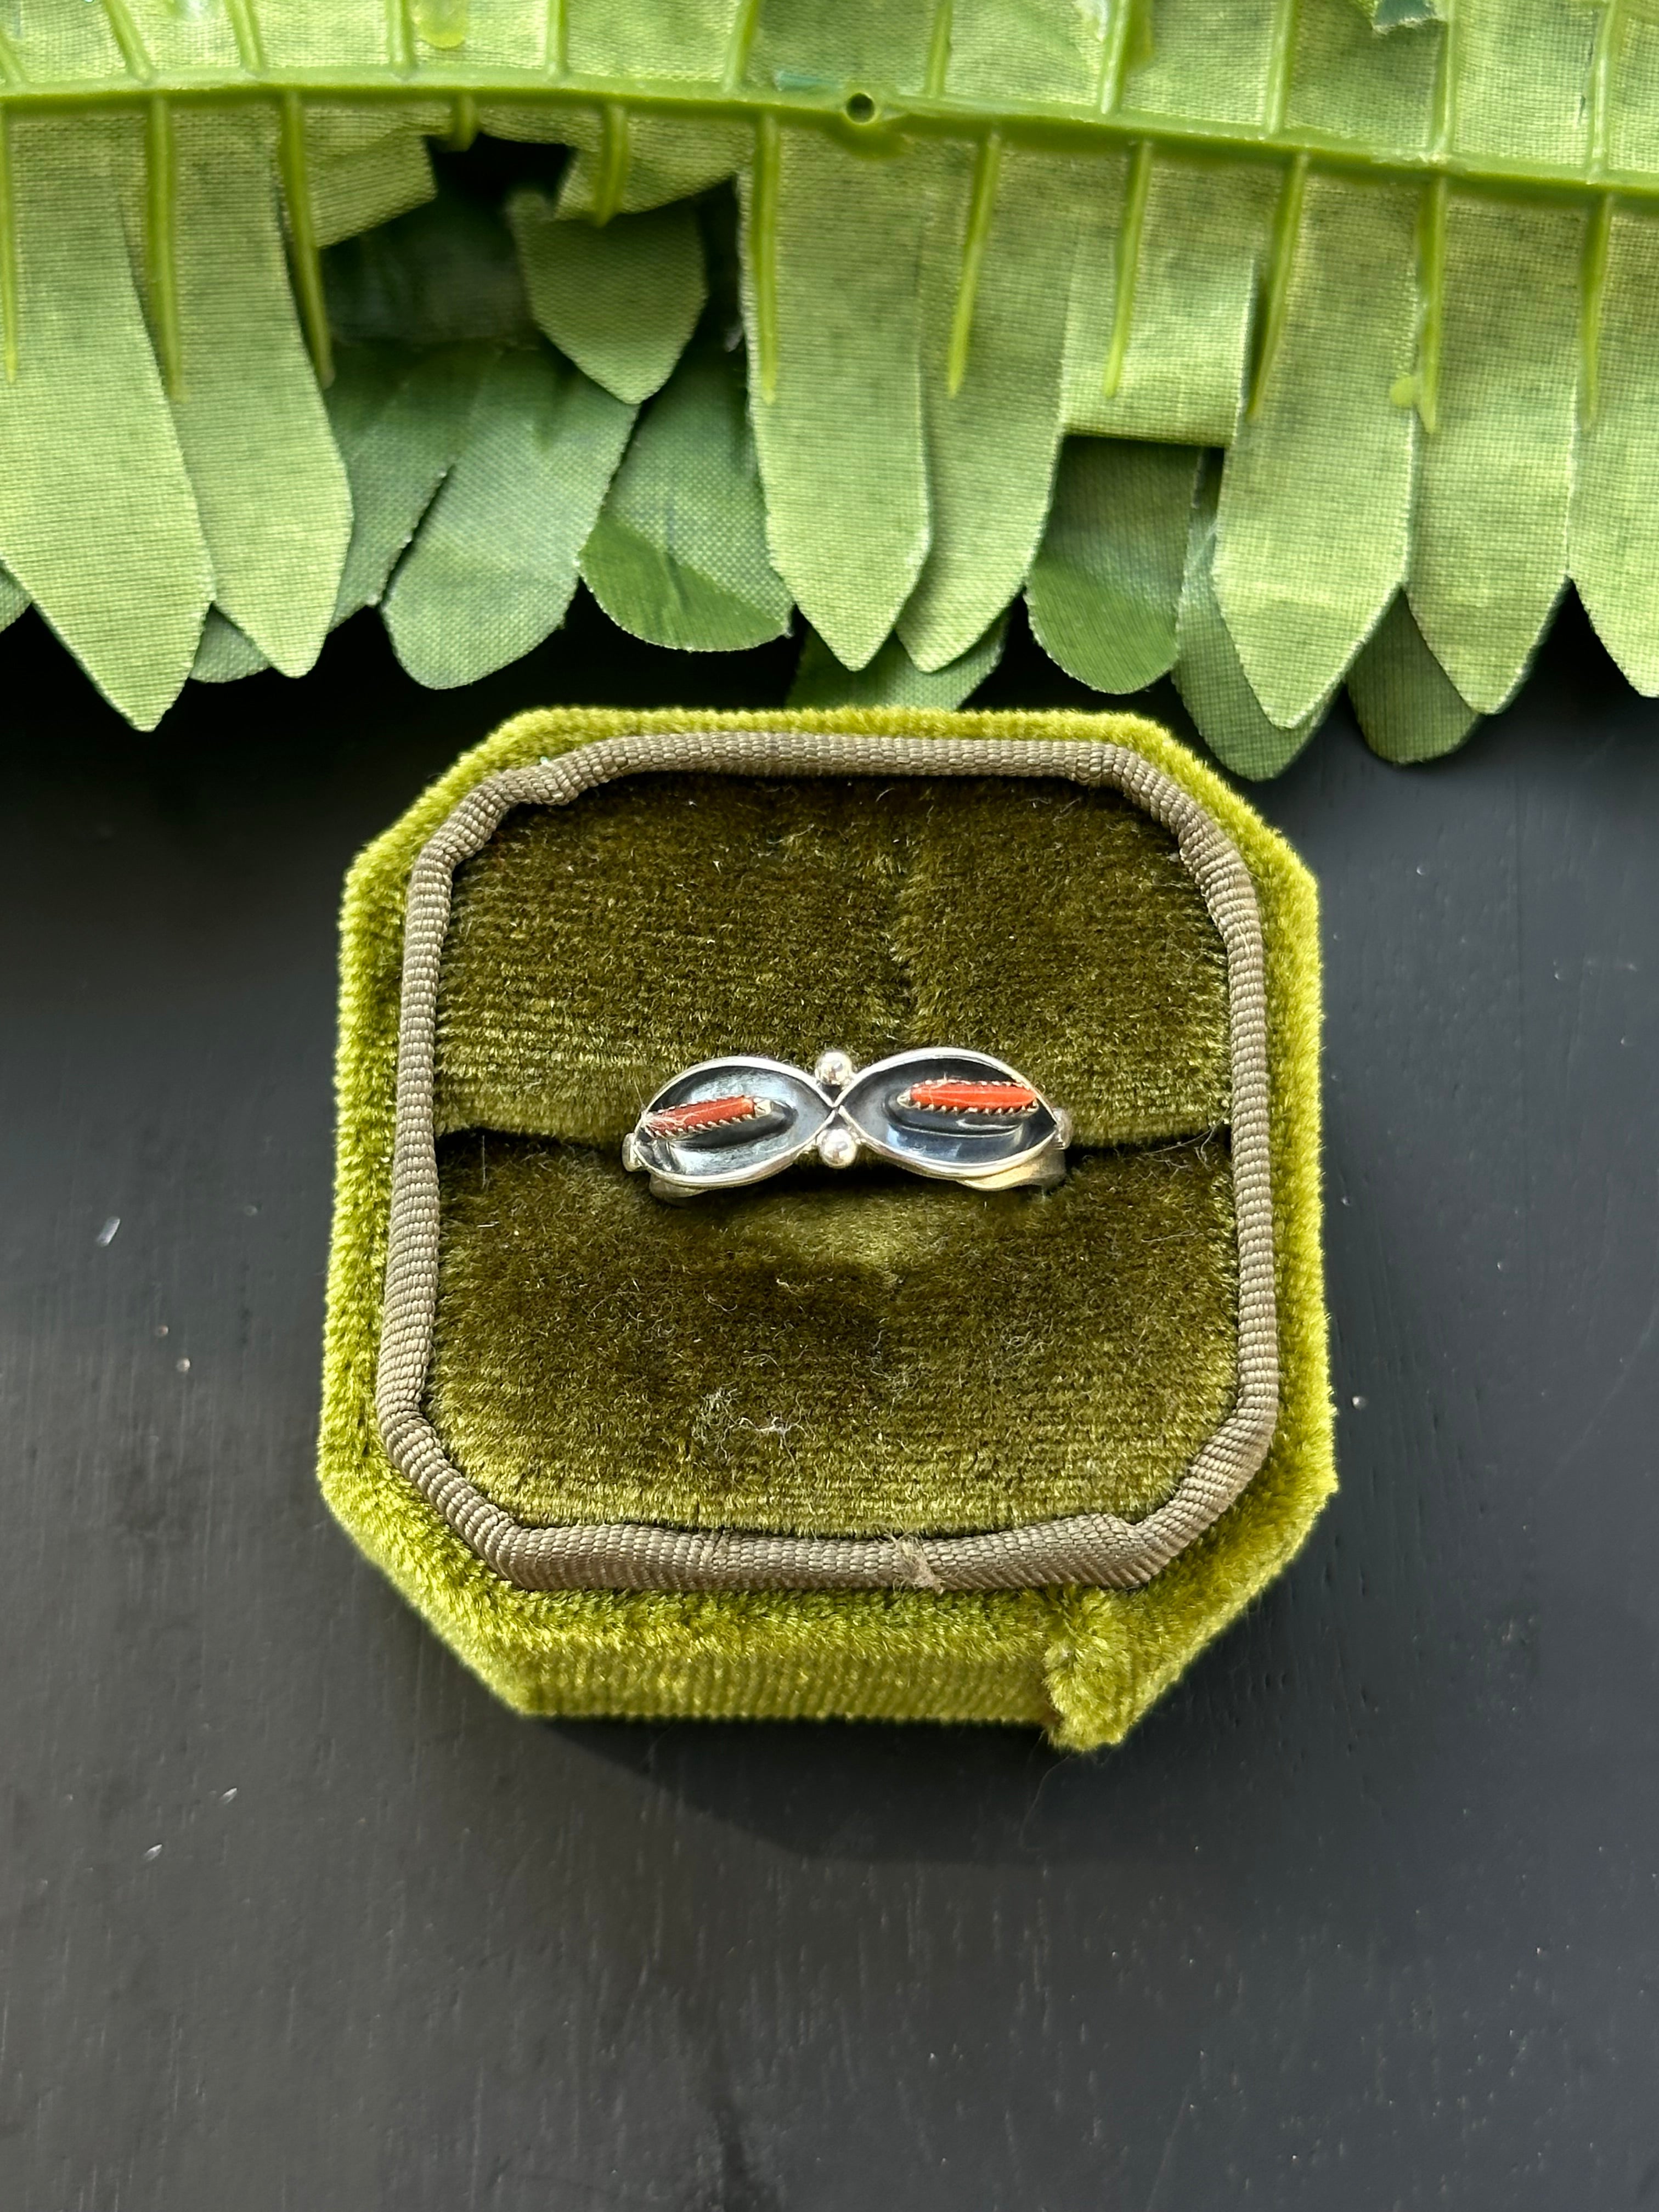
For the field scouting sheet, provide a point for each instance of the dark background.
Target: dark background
(1367, 1915)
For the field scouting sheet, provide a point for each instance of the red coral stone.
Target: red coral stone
(972, 1097)
(701, 1113)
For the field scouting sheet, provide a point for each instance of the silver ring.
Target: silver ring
(954, 1115)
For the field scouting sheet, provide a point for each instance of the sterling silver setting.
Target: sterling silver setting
(943, 1112)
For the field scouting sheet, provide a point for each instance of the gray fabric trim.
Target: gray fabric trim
(1084, 1547)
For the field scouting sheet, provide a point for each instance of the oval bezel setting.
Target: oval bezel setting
(791, 1110)
(986, 1148)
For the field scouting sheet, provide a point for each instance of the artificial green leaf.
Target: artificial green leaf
(1346, 80)
(996, 279)
(421, 309)
(1407, 707)
(1623, 100)
(678, 554)
(339, 130)
(682, 41)
(62, 43)
(836, 47)
(1208, 673)
(98, 522)
(493, 564)
(333, 36)
(400, 418)
(1301, 579)
(1615, 522)
(13, 599)
(1057, 53)
(174, 38)
(1201, 59)
(1105, 587)
(627, 161)
(359, 182)
(831, 272)
(269, 483)
(620, 300)
(226, 653)
(1522, 70)
(1489, 532)
(1161, 354)
(667, 162)
(891, 679)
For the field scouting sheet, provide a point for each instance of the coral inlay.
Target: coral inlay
(701, 1113)
(971, 1097)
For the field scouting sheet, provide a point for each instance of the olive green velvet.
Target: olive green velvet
(866, 1353)
(879, 1354)
(595, 949)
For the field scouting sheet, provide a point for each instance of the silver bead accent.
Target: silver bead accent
(834, 1070)
(837, 1146)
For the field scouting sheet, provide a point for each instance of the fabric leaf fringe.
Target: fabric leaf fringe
(891, 679)
(1105, 587)
(494, 561)
(1003, 271)
(678, 554)
(621, 300)
(1406, 706)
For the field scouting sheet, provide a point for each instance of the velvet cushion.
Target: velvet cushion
(832, 1355)
(881, 1352)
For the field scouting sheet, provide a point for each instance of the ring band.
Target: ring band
(954, 1115)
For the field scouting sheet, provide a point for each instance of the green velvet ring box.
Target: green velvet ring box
(840, 1444)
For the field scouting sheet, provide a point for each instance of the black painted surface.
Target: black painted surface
(1367, 1915)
